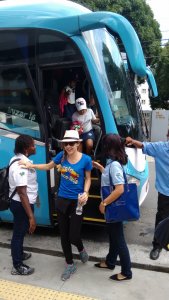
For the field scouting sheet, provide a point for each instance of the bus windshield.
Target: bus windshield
(110, 66)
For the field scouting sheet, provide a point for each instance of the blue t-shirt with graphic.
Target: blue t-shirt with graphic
(72, 175)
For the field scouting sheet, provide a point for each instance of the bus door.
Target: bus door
(53, 79)
(21, 113)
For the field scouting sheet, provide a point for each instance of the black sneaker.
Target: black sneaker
(22, 270)
(26, 255)
(155, 253)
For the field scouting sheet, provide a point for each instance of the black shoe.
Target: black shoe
(26, 255)
(22, 270)
(155, 253)
(120, 277)
(103, 265)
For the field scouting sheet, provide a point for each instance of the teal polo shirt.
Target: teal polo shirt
(160, 152)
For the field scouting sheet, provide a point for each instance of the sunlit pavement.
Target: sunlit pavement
(88, 281)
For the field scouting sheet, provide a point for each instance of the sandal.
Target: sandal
(117, 278)
(102, 265)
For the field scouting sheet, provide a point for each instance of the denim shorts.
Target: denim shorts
(87, 135)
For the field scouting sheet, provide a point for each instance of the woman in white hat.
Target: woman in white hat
(75, 179)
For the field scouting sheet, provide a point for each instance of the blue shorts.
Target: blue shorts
(87, 135)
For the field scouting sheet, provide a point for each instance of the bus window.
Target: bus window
(18, 112)
(110, 65)
(56, 48)
(18, 46)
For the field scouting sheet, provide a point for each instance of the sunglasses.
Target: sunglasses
(69, 144)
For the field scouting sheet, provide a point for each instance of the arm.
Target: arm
(137, 144)
(29, 165)
(94, 120)
(87, 184)
(97, 120)
(44, 167)
(21, 190)
(116, 193)
(98, 166)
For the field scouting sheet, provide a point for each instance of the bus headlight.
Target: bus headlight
(131, 179)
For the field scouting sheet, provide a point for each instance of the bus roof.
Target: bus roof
(57, 8)
(51, 14)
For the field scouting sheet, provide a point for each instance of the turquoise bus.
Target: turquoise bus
(43, 45)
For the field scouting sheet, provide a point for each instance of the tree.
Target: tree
(140, 16)
(162, 79)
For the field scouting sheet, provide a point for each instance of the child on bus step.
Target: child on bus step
(86, 117)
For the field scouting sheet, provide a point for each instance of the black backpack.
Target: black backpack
(4, 187)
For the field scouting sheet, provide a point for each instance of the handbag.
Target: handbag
(124, 208)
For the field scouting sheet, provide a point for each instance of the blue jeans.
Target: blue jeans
(20, 228)
(118, 246)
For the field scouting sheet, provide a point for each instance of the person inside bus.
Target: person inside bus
(96, 127)
(160, 152)
(22, 203)
(85, 117)
(75, 169)
(67, 100)
(114, 151)
(92, 105)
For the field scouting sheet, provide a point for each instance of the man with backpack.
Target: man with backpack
(24, 181)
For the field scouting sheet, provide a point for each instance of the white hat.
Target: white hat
(80, 104)
(70, 136)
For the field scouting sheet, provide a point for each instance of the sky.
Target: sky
(161, 14)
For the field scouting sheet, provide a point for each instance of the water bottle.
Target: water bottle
(79, 208)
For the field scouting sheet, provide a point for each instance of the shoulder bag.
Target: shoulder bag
(124, 208)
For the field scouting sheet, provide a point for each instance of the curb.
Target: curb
(91, 258)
